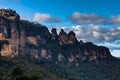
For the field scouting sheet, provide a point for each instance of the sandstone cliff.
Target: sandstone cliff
(9, 31)
(33, 40)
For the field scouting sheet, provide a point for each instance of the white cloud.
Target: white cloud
(85, 18)
(115, 19)
(43, 17)
(115, 53)
(95, 33)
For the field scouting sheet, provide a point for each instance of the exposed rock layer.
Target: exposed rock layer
(19, 37)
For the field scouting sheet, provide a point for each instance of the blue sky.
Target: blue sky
(98, 19)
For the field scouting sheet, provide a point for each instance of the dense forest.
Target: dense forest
(21, 68)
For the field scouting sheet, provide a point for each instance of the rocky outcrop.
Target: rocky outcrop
(65, 38)
(33, 37)
(76, 52)
(9, 14)
(33, 40)
(9, 31)
(72, 38)
(54, 34)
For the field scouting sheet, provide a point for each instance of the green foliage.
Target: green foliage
(33, 29)
(55, 47)
(22, 69)
(17, 71)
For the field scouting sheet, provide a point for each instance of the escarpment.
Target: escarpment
(33, 40)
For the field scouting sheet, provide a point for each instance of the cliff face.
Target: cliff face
(9, 32)
(19, 37)
(33, 38)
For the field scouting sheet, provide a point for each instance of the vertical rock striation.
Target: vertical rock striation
(24, 38)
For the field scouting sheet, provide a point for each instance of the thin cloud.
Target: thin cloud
(43, 17)
(84, 18)
(115, 19)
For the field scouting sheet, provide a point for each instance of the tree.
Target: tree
(17, 73)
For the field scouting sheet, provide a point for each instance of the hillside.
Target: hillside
(21, 69)
(34, 40)
(29, 51)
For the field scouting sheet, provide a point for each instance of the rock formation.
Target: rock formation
(9, 31)
(54, 34)
(24, 38)
(72, 38)
(63, 37)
